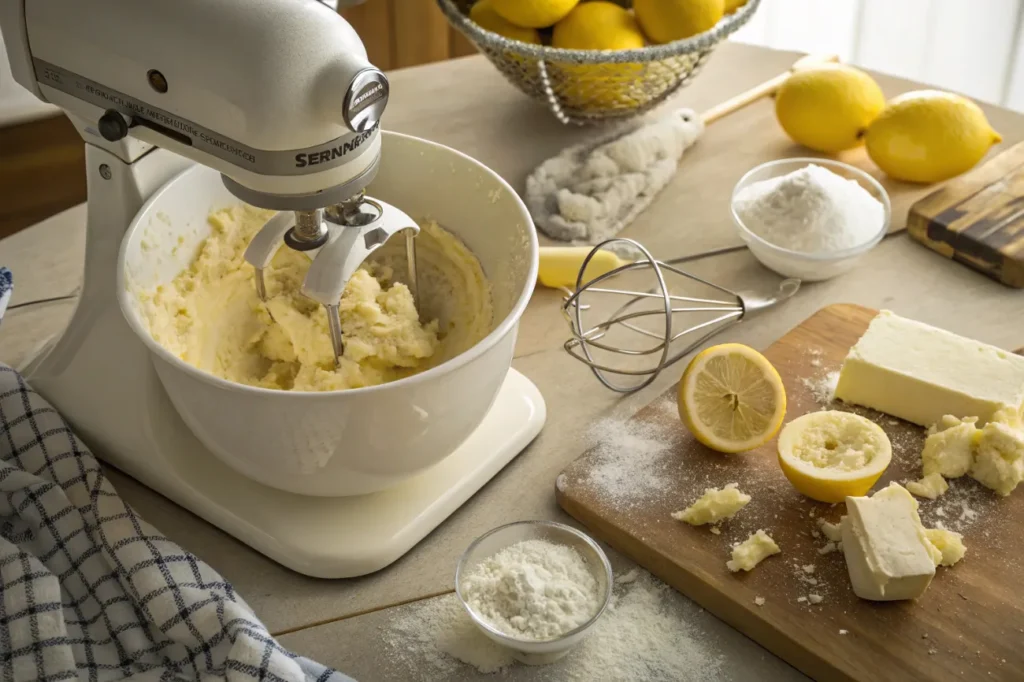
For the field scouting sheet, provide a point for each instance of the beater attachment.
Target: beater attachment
(338, 239)
(639, 339)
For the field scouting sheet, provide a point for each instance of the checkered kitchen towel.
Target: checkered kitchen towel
(89, 591)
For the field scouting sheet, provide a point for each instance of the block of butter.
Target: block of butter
(919, 373)
(887, 551)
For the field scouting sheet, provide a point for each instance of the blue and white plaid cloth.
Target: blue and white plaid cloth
(89, 591)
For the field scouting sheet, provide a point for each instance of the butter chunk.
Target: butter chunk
(831, 531)
(999, 458)
(950, 545)
(920, 373)
(931, 486)
(888, 554)
(713, 506)
(949, 447)
(752, 551)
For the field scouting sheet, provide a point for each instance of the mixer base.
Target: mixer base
(342, 537)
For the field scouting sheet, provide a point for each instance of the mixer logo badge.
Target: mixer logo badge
(316, 158)
(376, 89)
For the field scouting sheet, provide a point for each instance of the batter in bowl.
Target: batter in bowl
(210, 315)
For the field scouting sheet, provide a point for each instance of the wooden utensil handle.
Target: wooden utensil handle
(766, 89)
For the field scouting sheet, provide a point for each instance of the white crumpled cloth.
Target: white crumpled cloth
(589, 193)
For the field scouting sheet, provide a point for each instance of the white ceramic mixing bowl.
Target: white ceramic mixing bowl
(361, 440)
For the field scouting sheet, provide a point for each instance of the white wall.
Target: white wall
(970, 46)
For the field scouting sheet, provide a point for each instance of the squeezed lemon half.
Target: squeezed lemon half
(830, 455)
(731, 398)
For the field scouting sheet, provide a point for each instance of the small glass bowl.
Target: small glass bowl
(809, 266)
(534, 652)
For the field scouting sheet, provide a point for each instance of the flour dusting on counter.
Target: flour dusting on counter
(640, 637)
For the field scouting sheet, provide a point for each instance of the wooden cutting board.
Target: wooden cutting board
(978, 218)
(969, 624)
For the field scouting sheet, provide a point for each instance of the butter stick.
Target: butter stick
(919, 373)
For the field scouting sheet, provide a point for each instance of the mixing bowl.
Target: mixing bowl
(359, 440)
(817, 266)
(534, 652)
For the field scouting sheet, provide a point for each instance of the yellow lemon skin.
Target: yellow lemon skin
(929, 136)
(733, 5)
(831, 491)
(690, 385)
(828, 107)
(534, 13)
(831, 484)
(485, 16)
(598, 25)
(664, 21)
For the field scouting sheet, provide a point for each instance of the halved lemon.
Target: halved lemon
(731, 398)
(829, 455)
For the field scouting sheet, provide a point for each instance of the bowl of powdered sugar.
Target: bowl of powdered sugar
(535, 587)
(810, 218)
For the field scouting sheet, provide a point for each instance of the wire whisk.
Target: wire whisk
(645, 322)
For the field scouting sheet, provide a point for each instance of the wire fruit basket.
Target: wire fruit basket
(593, 86)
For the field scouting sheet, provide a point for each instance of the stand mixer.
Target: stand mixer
(289, 117)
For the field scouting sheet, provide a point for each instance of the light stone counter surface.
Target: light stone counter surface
(339, 622)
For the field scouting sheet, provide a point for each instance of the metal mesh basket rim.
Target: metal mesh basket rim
(653, 53)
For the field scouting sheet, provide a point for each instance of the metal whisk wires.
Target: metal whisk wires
(652, 340)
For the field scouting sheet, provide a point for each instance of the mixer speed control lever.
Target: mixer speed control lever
(113, 126)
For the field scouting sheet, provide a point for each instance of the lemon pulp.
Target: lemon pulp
(830, 455)
(732, 398)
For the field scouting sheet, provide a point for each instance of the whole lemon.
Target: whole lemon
(598, 25)
(485, 16)
(828, 107)
(929, 136)
(666, 20)
(534, 13)
(733, 5)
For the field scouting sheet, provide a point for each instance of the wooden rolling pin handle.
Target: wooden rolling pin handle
(766, 89)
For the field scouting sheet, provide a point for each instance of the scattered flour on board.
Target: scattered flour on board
(960, 508)
(823, 389)
(628, 465)
(639, 637)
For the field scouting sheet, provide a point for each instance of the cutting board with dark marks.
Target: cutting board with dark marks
(978, 218)
(969, 625)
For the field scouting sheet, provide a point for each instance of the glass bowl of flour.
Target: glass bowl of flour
(534, 587)
(810, 218)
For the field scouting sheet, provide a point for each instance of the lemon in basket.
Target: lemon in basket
(733, 5)
(666, 20)
(929, 136)
(598, 25)
(534, 13)
(828, 108)
(731, 398)
(485, 16)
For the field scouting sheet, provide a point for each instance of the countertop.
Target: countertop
(465, 104)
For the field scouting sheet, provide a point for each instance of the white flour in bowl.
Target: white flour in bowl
(535, 590)
(811, 210)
